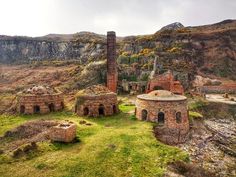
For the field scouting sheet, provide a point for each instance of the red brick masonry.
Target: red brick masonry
(169, 111)
(165, 82)
(112, 76)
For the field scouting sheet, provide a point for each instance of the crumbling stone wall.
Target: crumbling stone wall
(26, 104)
(131, 86)
(112, 76)
(172, 131)
(96, 105)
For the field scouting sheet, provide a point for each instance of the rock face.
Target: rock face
(81, 46)
(187, 51)
(173, 26)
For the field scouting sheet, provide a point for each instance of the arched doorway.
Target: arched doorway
(22, 109)
(157, 87)
(86, 111)
(144, 114)
(161, 118)
(51, 107)
(101, 110)
(36, 109)
(114, 109)
(76, 107)
(178, 117)
(62, 105)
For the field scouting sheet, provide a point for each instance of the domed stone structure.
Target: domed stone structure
(39, 99)
(168, 110)
(95, 101)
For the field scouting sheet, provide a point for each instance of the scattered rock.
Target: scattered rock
(18, 153)
(82, 122)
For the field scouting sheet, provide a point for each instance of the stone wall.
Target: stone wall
(97, 105)
(46, 103)
(112, 76)
(170, 132)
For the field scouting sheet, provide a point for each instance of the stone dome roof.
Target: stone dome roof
(39, 90)
(95, 90)
(161, 95)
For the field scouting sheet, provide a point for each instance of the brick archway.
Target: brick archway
(161, 118)
(36, 109)
(101, 110)
(51, 107)
(86, 111)
(144, 114)
(22, 109)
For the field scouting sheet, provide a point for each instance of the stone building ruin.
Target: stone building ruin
(168, 110)
(165, 81)
(39, 99)
(96, 101)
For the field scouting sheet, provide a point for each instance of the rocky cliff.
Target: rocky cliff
(206, 50)
(81, 46)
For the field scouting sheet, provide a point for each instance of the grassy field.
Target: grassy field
(112, 146)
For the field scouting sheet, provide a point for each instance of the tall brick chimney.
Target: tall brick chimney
(112, 75)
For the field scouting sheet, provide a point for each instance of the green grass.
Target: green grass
(112, 147)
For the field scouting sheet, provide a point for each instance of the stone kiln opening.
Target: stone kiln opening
(39, 99)
(96, 101)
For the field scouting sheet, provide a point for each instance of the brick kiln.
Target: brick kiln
(95, 101)
(39, 99)
(168, 110)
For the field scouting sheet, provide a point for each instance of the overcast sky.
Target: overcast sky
(126, 17)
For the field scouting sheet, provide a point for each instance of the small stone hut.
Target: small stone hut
(63, 132)
(168, 110)
(95, 101)
(39, 99)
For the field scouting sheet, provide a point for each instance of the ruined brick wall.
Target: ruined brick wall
(43, 101)
(165, 82)
(176, 87)
(170, 132)
(112, 75)
(90, 105)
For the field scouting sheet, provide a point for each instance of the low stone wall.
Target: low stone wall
(97, 105)
(26, 104)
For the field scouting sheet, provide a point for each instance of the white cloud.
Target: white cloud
(126, 17)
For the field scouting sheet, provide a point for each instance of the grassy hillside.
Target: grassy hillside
(111, 146)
